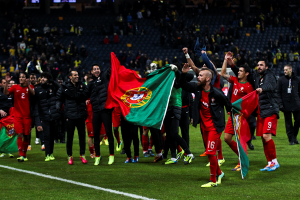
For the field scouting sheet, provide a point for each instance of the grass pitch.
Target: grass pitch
(153, 180)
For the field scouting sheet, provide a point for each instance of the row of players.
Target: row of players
(208, 110)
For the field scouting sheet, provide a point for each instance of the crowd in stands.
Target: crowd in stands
(24, 48)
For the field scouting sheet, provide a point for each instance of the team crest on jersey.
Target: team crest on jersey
(136, 97)
(10, 131)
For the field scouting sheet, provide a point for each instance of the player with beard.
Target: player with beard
(22, 118)
(71, 95)
(96, 90)
(208, 109)
(46, 114)
(216, 82)
(264, 81)
(241, 87)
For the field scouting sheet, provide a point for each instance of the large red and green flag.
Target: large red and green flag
(143, 101)
(8, 136)
(241, 110)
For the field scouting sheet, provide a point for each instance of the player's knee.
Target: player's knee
(227, 139)
(266, 137)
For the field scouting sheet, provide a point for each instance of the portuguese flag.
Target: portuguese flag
(241, 110)
(143, 101)
(8, 136)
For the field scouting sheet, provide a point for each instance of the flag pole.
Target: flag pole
(236, 137)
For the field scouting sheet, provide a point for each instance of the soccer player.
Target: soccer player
(209, 111)
(96, 90)
(216, 82)
(32, 78)
(264, 82)
(46, 112)
(241, 87)
(171, 123)
(22, 118)
(5, 105)
(71, 95)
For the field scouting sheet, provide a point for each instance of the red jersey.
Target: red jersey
(90, 112)
(239, 89)
(21, 101)
(217, 82)
(207, 122)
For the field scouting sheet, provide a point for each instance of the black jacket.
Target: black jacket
(187, 100)
(216, 106)
(288, 101)
(268, 99)
(73, 99)
(45, 102)
(96, 90)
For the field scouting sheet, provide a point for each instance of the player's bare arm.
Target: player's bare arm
(31, 91)
(190, 61)
(223, 71)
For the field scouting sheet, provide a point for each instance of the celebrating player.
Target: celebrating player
(209, 110)
(22, 118)
(241, 87)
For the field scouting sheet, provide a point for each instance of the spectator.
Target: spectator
(160, 63)
(139, 15)
(278, 56)
(291, 56)
(129, 18)
(106, 40)
(77, 62)
(258, 27)
(82, 51)
(46, 30)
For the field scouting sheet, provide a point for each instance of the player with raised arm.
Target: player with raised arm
(241, 87)
(208, 109)
(22, 118)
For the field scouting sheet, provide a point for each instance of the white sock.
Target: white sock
(159, 154)
(269, 162)
(275, 161)
(173, 159)
(190, 154)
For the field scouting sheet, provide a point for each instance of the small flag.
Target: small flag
(241, 110)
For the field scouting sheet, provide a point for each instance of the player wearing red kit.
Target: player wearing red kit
(264, 81)
(22, 118)
(209, 111)
(241, 87)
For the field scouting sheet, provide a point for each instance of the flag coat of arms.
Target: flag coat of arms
(241, 110)
(143, 101)
(8, 136)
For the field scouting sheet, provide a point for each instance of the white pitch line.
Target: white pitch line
(78, 183)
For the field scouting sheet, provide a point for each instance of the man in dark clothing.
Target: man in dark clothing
(264, 81)
(289, 102)
(208, 109)
(96, 90)
(71, 95)
(46, 112)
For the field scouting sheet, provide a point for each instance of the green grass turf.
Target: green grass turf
(154, 180)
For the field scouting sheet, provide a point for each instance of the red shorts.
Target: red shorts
(89, 127)
(211, 139)
(266, 125)
(22, 125)
(229, 127)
